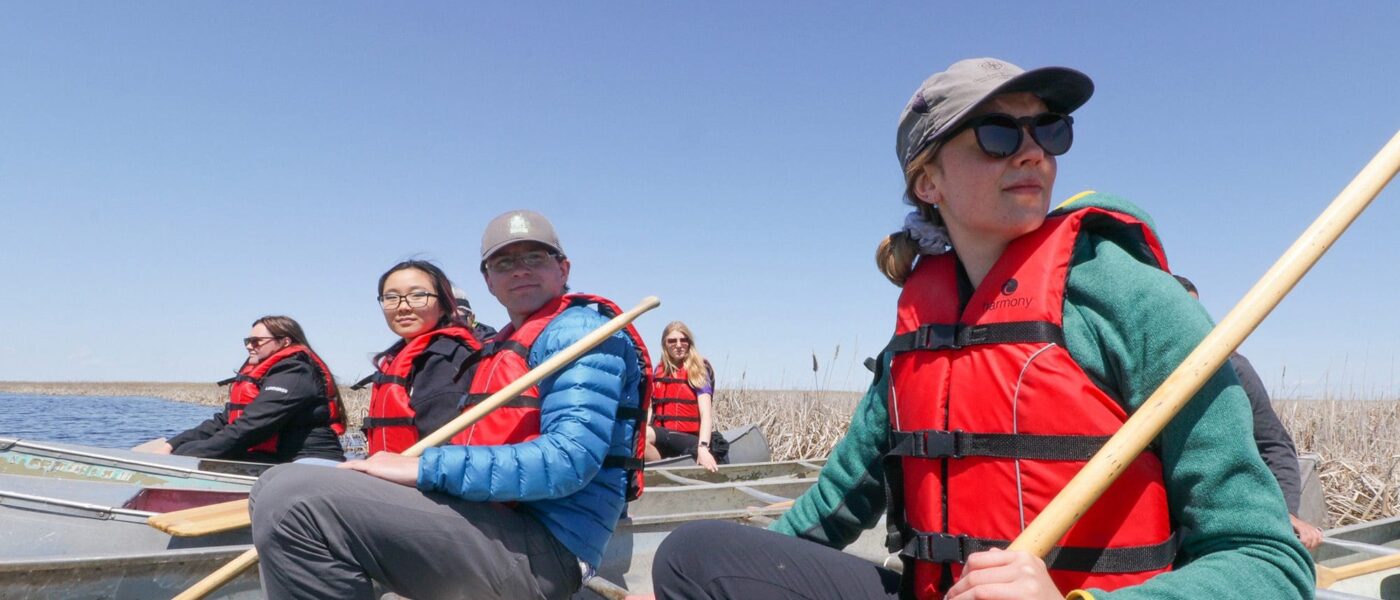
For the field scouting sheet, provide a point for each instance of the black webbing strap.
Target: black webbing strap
(379, 378)
(373, 422)
(659, 401)
(946, 336)
(630, 413)
(614, 461)
(671, 380)
(947, 548)
(228, 406)
(238, 377)
(676, 419)
(471, 400)
(934, 443)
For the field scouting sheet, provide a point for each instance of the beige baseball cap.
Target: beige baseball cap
(518, 226)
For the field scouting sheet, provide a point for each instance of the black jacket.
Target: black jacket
(298, 416)
(1272, 439)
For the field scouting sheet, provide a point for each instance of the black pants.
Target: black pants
(710, 560)
(675, 443)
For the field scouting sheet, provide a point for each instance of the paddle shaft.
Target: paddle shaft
(1327, 576)
(226, 573)
(1149, 420)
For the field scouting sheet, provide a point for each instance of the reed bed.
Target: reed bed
(799, 424)
(1359, 442)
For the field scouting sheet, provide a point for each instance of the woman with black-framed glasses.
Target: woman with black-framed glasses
(417, 387)
(283, 405)
(1022, 341)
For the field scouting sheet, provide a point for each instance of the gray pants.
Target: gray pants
(328, 533)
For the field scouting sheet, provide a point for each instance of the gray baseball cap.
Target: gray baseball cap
(518, 226)
(946, 99)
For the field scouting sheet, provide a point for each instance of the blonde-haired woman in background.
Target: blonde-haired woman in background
(683, 416)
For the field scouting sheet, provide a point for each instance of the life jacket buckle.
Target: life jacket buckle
(935, 443)
(941, 548)
(934, 336)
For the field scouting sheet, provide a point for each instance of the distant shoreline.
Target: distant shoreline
(206, 394)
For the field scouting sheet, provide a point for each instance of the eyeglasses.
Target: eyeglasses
(529, 260)
(414, 299)
(999, 135)
(676, 341)
(256, 342)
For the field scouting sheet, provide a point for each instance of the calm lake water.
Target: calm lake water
(109, 422)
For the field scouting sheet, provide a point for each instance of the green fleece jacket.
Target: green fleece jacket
(1128, 324)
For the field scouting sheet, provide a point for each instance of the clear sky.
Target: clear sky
(171, 171)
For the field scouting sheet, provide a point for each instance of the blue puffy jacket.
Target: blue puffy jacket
(558, 476)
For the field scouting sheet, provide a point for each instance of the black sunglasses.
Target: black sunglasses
(999, 135)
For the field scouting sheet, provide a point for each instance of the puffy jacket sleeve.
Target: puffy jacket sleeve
(577, 409)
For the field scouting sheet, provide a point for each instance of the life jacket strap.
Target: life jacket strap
(670, 419)
(630, 413)
(375, 422)
(616, 461)
(379, 378)
(948, 336)
(671, 380)
(936, 443)
(946, 548)
(470, 400)
(238, 377)
(660, 401)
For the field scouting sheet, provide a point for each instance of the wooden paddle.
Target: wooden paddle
(1327, 576)
(464, 420)
(1149, 420)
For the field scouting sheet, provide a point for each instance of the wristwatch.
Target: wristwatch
(705, 445)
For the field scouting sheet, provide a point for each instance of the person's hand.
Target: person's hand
(388, 466)
(1309, 534)
(155, 446)
(705, 459)
(1004, 575)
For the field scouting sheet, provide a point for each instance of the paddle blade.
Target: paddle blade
(203, 520)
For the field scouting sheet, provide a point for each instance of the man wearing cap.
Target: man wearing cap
(520, 512)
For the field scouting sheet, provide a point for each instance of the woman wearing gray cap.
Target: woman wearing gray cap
(1022, 341)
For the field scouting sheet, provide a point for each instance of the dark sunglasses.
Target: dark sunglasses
(999, 135)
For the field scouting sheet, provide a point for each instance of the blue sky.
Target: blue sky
(171, 171)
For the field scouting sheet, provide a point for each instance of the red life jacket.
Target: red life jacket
(990, 417)
(674, 403)
(505, 358)
(247, 384)
(389, 425)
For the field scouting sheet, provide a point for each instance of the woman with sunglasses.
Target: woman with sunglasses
(682, 407)
(283, 405)
(418, 386)
(1022, 341)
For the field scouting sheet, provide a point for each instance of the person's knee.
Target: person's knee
(651, 436)
(685, 549)
(282, 489)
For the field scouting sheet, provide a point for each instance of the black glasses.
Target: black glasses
(391, 301)
(674, 341)
(999, 135)
(530, 260)
(255, 342)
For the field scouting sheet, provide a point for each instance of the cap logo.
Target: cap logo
(992, 65)
(519, 225)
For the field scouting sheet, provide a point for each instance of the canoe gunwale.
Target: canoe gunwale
(99, 511)
(59, 453)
